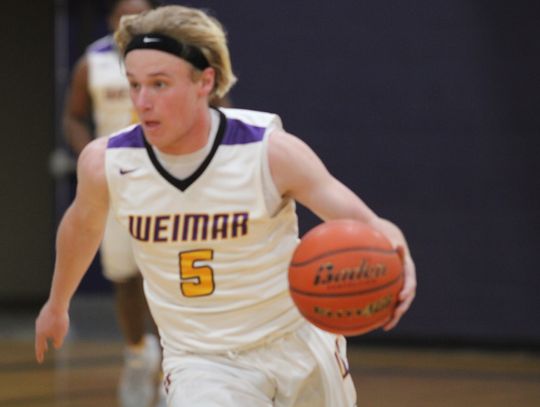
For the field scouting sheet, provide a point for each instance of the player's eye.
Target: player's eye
(159, 84)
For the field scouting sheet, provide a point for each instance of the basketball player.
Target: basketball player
(208, 197)
(99, 94)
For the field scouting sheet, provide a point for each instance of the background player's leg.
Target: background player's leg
(131, 309)
(142, 352)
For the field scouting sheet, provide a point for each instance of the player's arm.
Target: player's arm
(78, 109)
(77, 242)
(300, 174)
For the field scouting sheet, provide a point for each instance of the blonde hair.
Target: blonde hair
(189, 26)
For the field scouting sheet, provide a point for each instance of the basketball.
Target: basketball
(345, 277)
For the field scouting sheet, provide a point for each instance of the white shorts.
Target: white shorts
(307, 368)
(117, 259)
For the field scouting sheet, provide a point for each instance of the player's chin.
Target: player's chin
(154, 135)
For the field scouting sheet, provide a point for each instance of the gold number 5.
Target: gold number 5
(196, 281)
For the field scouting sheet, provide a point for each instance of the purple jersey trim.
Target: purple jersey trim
(238, 132)
(104, 44)
(129, 139)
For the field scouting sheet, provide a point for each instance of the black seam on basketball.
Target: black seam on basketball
(348, 249)
(348, 294)
(350, 327)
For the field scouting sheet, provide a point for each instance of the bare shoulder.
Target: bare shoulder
(94, 150)
(283, 146)
(91, 163)
(293, 164)
(92, 197)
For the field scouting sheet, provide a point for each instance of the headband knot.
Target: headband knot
(164, 43)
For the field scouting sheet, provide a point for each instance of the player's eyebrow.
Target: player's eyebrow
(151, 74)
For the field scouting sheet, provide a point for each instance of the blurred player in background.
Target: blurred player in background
(97, 105)
(208, 196)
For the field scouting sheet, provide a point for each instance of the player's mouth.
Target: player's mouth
(151, 124)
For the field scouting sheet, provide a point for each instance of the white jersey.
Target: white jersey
(213, 256)
(112, 111)
(109, 88)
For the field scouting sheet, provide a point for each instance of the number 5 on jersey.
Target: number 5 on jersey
(196, 281)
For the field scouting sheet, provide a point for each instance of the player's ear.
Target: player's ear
(208, 80)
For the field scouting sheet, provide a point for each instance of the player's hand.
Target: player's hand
(51, 324)
(408, 292)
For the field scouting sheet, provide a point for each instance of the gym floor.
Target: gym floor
(85, 371)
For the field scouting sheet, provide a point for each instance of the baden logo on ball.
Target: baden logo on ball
(345, 277)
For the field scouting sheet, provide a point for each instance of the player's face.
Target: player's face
(167, 98)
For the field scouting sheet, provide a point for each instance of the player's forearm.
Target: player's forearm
(76, 247)
(391, 231)
(77, 133)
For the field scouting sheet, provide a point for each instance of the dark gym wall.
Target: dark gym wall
(27, 79)
(427, 110)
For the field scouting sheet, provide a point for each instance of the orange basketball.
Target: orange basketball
(345, 277)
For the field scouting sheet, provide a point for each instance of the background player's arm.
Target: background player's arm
(78, 239)
(78, 109)
(299, 174)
